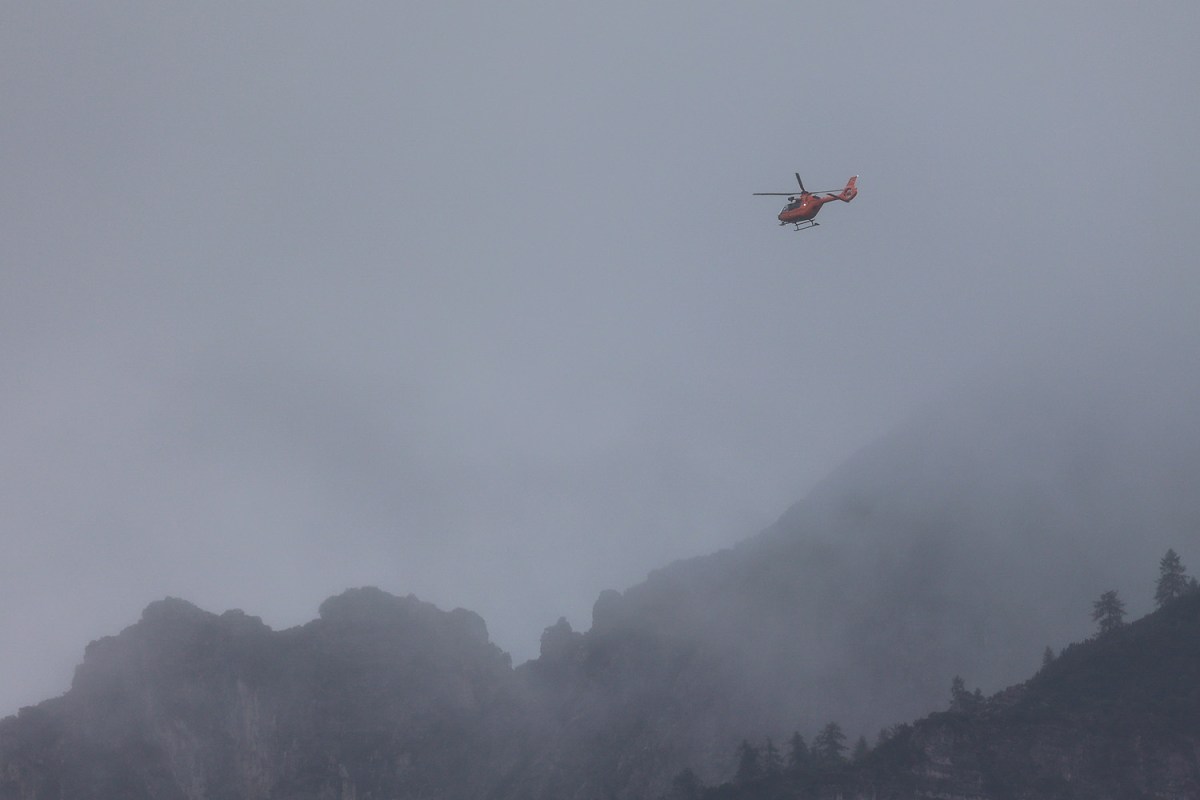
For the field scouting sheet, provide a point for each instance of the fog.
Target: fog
(475, 302)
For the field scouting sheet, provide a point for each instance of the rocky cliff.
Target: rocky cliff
(379, 697)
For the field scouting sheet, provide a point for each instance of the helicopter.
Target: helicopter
(801, 208)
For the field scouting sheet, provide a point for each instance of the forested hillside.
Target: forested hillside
(1114, 718)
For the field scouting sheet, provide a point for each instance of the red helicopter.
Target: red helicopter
(801, 208)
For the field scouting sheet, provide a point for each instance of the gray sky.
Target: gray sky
(473, 300)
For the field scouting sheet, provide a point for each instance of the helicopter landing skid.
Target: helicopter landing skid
(803, 225)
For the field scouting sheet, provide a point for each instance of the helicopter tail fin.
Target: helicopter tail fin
(850, 192)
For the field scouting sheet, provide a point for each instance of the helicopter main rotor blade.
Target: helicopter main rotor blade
(791, 194)
(799, 181)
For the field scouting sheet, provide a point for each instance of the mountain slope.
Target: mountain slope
(1114, 718)
(961, 545)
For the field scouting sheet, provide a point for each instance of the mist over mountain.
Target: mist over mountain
(961, 545)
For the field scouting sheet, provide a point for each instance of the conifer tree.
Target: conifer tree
(798, 757)
(829, 746)
(1047, 656)
(1172, 579)
(749, 767)
(861, 748)
(685, 786)
(1109, 612)
(886, 734)
(772, 761)
(960, 698)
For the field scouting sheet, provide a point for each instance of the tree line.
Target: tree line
(765, 766)
(1173, 582)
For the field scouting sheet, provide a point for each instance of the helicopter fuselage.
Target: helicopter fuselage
(803, 208)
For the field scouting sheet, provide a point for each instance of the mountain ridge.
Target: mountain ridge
(963, 544)
(397, 698)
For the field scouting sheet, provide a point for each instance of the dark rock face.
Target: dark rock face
(380, 697)
(630, 709)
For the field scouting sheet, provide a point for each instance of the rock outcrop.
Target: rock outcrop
(379, 697)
